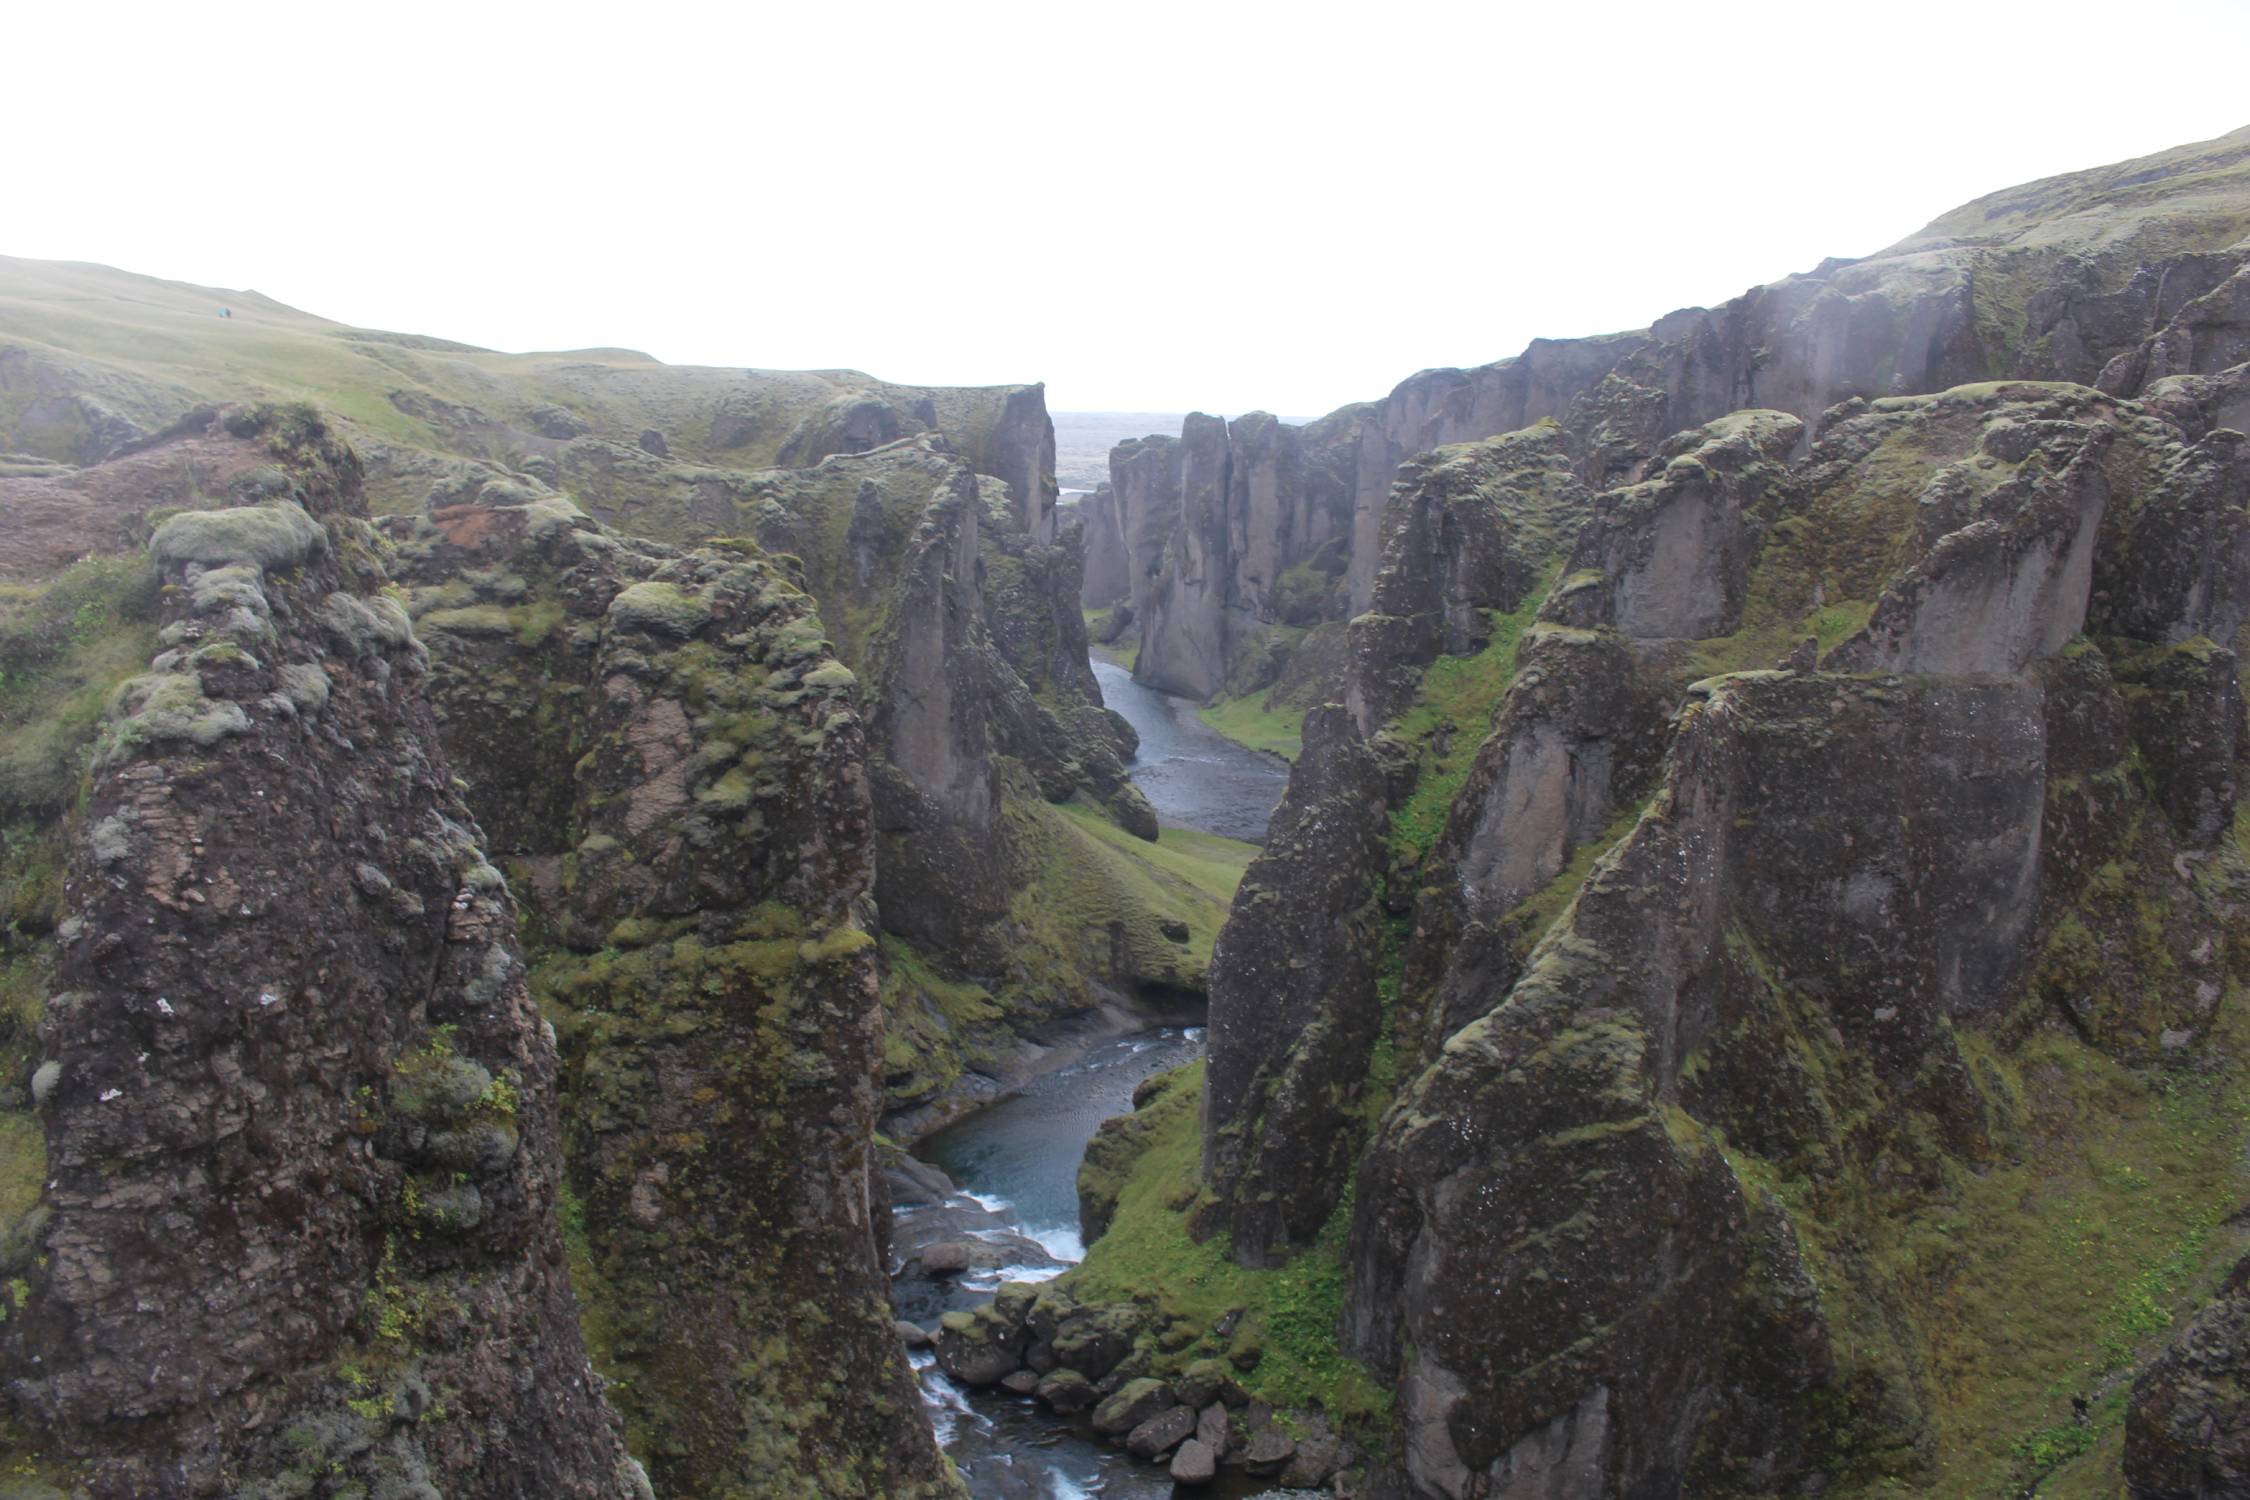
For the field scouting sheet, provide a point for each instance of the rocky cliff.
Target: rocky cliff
(283, 1139)
(788, 745)
(2111, 277)
(1709, 1005)
(677, 770)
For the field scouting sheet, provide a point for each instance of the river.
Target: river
(1017, 1159)
(1194, 776)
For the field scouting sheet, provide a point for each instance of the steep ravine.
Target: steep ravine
(1007, 1200)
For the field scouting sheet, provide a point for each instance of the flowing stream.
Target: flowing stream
(1194, 776)
(1016, 1161)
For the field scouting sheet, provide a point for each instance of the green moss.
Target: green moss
(273, 537)
(23, 1166)
(661, 608)
(1454, 708)
(65, 645)
(1289, 1314)
(2002, 1289)
(472, 619)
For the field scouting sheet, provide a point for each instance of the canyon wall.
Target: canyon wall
(2110, 277)
(284, 1141)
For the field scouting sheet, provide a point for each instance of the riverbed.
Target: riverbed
(1194, 776)
(1015, 1162)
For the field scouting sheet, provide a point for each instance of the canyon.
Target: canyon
(507, 859)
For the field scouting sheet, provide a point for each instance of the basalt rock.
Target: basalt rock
(704, 855)
(2128, 274)
(1294, 1010)
(1837, 887)
(302, 1142)
(1467, 534)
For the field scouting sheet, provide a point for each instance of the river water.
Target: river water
(1194, 776)
(1017, 1159)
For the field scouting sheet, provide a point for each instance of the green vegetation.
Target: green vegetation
(1287, 1315)
(152, 348)
(65, 645)
(1125, 651)
(1450, 717)
(1256, 721)
(2015, 1284)
(1089, 893)
(1090, 899)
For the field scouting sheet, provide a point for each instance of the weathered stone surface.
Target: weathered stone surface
(977, 1348)
(1212, 1429)
(301, 1086)
(2133, 273)
(2187, 1432)
(1268, 1450)
(637, 712)
(1067, 1391)
(1131, 1404)
(1836, 863)
(1195, 1463)
(1161, 1433)
(1294, 1011)
(1468, 531)
(1672, 553)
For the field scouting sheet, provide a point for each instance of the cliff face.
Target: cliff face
(294, 1216)
(1716, 993)
(701, 875)
(2113, 277)
(785, 811)
(1230, 539)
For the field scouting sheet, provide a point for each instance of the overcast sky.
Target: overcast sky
(1149, 206)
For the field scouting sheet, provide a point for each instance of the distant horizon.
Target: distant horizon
(1285, 238)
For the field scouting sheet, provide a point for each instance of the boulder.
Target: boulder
(975, 1348)
(1093, 1340)
(1161, 1433)
(1268, 1450)
(1194, 1463)
(1212, 1429)
(1131, 1404)
(1067, 1391)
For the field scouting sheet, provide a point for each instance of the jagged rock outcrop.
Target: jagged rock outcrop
(1220, 536)
(1839, 875)
(1189, 604)
(704, 859)
(963, 632)
(1587, 1244)
(2123, 275)
(2187, 1433)
(1294, 1008)
(1110, 566)
(298, 1222)
(1468, 532)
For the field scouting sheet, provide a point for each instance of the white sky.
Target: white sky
(1150, 206)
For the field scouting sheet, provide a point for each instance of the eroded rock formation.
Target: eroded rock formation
(1609, 1236)
(2114, 277)
(298, 1217)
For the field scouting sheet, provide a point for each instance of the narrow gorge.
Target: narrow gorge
(1664, 917)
